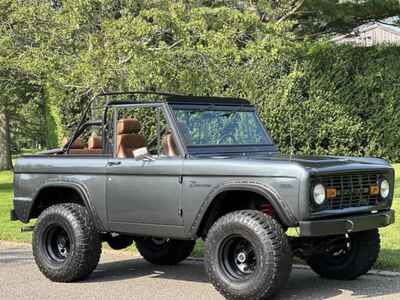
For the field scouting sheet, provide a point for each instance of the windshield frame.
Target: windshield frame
(224, 148)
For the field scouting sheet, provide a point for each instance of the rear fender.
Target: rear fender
(24, 206)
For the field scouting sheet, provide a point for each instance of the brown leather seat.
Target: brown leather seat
(95, 145)
(77, 147)
(169, 145)
(128, 137)
(77, 144)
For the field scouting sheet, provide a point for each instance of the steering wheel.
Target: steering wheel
(226, 136)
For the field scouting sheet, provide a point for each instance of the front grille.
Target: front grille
(352, 190)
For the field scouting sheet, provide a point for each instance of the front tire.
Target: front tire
(162, 251)
(247, 255)
(350, 263)
(66, 245)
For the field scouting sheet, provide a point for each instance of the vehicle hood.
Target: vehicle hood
(329, 163)
(312, 164)
(327, 160)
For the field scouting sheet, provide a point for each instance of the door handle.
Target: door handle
(113, 163)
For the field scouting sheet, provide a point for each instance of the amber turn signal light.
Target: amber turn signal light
(330, 193)
(374, 190)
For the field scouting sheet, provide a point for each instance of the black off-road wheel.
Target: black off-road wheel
(247, 255)
(163, 251)
(66, 245)
(356, 259)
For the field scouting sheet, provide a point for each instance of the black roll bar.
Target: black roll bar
(83, 119)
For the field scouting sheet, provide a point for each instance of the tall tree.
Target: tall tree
(71, 50)
(317, 17)
(5, 155)
(24, 64)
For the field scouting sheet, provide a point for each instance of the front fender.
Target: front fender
(280, 206)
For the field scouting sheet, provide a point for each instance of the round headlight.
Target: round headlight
(319, 194)
(385, 188)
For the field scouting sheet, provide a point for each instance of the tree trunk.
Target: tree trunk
(43, 121)
(8, 133)
(5, 141)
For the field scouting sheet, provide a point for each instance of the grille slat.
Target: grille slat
(352, 190)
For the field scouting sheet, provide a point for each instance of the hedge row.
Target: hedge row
(343, 101)
(336, 100)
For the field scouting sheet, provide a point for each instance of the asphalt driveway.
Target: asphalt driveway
(120, 276)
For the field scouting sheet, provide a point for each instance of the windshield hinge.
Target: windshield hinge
(181, 179)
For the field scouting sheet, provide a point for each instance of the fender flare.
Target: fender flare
(280, 206)
(80, 189)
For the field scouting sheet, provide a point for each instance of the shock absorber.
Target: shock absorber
(266, 208)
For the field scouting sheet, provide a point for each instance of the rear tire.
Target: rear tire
(66, 245)
(247, 255)
(164, 251)
(354, 262)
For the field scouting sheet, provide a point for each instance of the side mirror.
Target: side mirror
(142, 154)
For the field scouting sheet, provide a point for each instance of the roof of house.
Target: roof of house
(388, 25)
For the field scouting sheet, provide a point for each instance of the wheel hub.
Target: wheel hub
(241, 257)
(57, 244)
(238, 257)
(62, 245)
(244, 262)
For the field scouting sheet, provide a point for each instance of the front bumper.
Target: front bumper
(347, 224)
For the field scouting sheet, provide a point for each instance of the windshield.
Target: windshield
(221, 127)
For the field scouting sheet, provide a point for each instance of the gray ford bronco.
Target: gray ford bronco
(164, 170)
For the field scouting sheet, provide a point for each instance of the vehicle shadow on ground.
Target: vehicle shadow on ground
(303, 284)
(307, 285)
(135, 268)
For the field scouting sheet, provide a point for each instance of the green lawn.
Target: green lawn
(389, 258)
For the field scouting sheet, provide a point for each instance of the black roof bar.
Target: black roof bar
(178, 98)
(165, 94)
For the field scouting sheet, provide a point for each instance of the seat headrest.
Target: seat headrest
(77, 144)
(126, 126)
(169, 145)
(95, 142)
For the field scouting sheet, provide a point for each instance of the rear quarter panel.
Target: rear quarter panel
(36, 172)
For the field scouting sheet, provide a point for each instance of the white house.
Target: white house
(371, 34)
